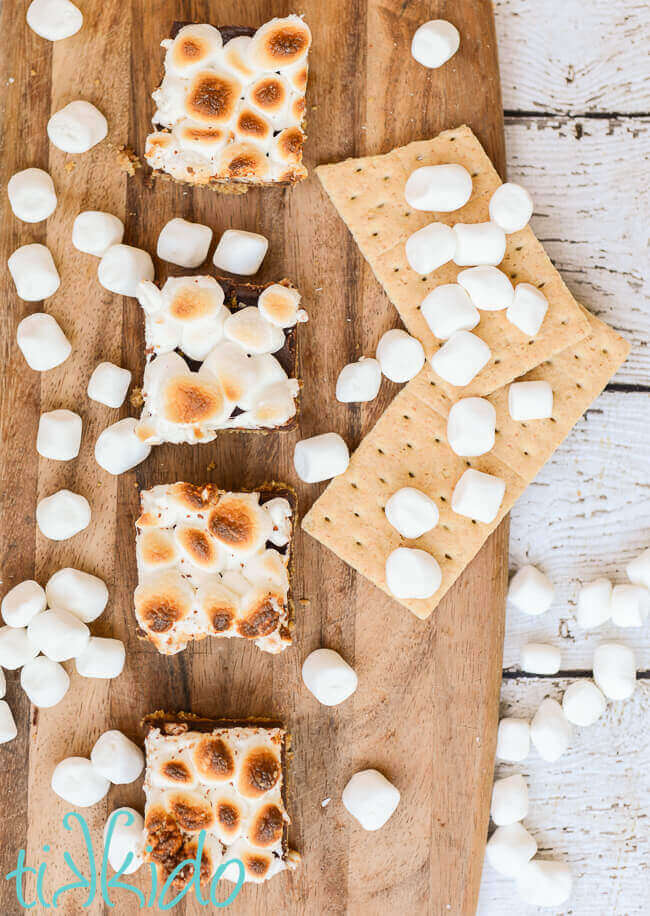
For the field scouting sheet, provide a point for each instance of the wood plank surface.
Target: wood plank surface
(426, 709)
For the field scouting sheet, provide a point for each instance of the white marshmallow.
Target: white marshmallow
(638, 570)
(448, 309)
(509, 800)
(509, 849)
(400, 356)
(471, 426)
(23, 602)
(359, 381)
(527, 309)
(370, 798)
(479, 243)
(530, 401)
(33, 271)
(513, 740)
(31, 195)
(62, 515)
(320, 457)
(102, 658)
(530, 591)
(478, 496)
(109, 384)
(329, 677)
(583, 703)
(614, 670)
(411, 512)
(240, 252)
(45, 682)
(540, 658)
(54, 19)
(58, 634)
(544, 883)
(123, 267)
(511, 207)
(3, 684)
(442, 188)
(184, 243)
(489, 288)
(594, 603)
(118, 448)
(77, 127)
(412, 573)
(42, 342)
(461, 358)
(77, 782)
(94, 232)
(16, 647)
(117, 758)
(250, 329)
(430, 247)
(126, 836)
(629, 605)
(550, 730)
(59, 435)
(8, 730)
(77, 592)
(434, 42)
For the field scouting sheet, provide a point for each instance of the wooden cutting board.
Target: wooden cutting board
(425, 712)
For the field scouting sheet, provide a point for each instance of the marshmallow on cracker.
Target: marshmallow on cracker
(412, 573)
(461, 358)
(440, 188)
(511, 207)
(527, 309)
(94, 232)
(31, 195)
(448, 309)
(411, 512)
(471, 427)
(34, 273)
(479, 243)
(530, 401)
(430, 247)
(400, 356)
(478, 495)
(488, 287)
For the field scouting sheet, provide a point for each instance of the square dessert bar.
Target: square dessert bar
(231, 106)
(212, 563)
(225, 777)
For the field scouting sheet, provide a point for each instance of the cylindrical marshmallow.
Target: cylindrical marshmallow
(614, 670)
(513, 740)
(411, 512)
(594, 603)
(478, 496)
(320, 457)
(118, 448)
(80, 593)
(471, 426)
(509, 848)
(544, 883)
(94, 232)
(488, 287)
(461, 358)
(511, 207)
(412, 573)
(54, 19)
(550, 730)
(329, 677)
(8, 730)
(124, 835)
(400, 356)
(442, 188)
(23, 602)
(58, 634)
(31, 195)
(530, 401)
(370, 798)
(123, 267)
(44, 681)
(240, 252)
(102, 658)
(109, 384)
(359, 381)
(42, 342)
(583, 703)
(77, 127)
(33, 271)
(59, 435)
(77, 782)
(527, 309)
(448, 309)
(62, 515)
(430, 247)
(16, 647)
(435, 42)
(638, 570)
(184, 243)
(117, 758)
(479, 243)
(509, 800)
(629, 605)
(540, 658)
(530, 591)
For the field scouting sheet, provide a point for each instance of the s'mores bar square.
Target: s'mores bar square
(226, 778)
(231, 106)
(213, 563)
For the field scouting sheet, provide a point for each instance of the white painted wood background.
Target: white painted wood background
(576, 88)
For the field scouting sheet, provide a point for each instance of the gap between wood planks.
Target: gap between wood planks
(510, 675)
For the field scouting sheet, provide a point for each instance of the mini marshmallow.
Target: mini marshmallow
(629, 605)
(400, 356)
(329, 677)
(412, 573)
(248, 328)
(539, 658)
(77, 127)
(34, 273)
(638, 570)
(54, 19)
(544, 883)
(550, 730)
(527, 309)
(62, 515)
(509, 800)
(594, 603)
(359, 381)
(240, 252)
(530, 591)
(45, 682)
(278, 304)
(430, 247)
(511, 207)
(448, 309)
(614, 670)
(478, 496)
(77, 592)
(320, 457)
(77, 782)
(479, 243)
(109, 384)
(411, 512)
(16, 647)
(184, 243)
(530, 401)
(8, 730)
(23, 602)
(442, 188)
(434, 42)
(123, 267)
(513, 740)
(117, 758)
(124, 834)
(94, 232)
(31, 195)
(58, 634)
(471, 425)
(59, 435)
(583, 703)
(102, 658)
(370, 798)
(509, 849)
(42, 342)
(461, 359)
(489, 288)
(119, 449)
